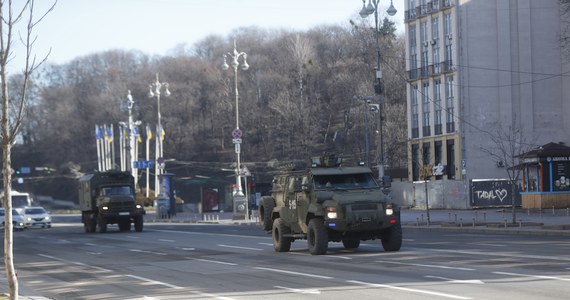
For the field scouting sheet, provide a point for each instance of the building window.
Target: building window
(425, 110)
(438, 153)
(435, 45)
(426, 147)
(438, 127)
(448, 37)
(415, 116)
(450, 159)
(413, 53)
(424, 43)
(415, 162)
(449, 104)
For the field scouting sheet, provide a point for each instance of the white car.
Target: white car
(36, 216)
(17, 219)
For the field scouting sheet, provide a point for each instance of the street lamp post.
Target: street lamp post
(372, 8)
(236, 134)
(155, 91)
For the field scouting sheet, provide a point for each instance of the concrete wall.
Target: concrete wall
(442, 194)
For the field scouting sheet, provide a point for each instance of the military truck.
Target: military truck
(329, 202)
(109, 198)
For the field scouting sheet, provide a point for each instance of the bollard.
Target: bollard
(520, 223)
(460, 222)
(505, 223)
(422, 218)
(528, 211)
(449, 216)
(476, 215)
(485, 217)
(503, 213)
(455, 218)
(418, 221)
(218, 218)
(553, 211)
(473, 222)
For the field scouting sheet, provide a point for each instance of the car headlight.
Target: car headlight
(47, 218)
(389, 209)
(332, 213)
(139, 206)
(105, 208)
(28, 218)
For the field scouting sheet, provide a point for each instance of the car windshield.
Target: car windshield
(34, 211)
(364, 180)
(116, 190)
(14, 212)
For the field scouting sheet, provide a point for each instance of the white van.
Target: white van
(19, 199)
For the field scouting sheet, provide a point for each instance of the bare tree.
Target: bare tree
(10, 16)
(508, 147)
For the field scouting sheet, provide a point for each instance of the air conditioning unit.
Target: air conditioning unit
(426, 43)
(450, 36)
(434, 41)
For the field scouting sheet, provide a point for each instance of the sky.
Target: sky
(78, 28)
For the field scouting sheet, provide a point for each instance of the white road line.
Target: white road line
(426, 266)
(533, 276)
(294, 273)
(168, 241)
(147, 252)
(238, 247)
(449, 280)
(497, 254)
(485, 244)
(154, 281)
(299, 291)
(409, 290)
(214, 261)
(74, 262)
(339, 256)
(266, 244)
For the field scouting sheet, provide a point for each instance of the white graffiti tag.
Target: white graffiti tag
(500, 194)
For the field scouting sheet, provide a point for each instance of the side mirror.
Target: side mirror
(386, 181)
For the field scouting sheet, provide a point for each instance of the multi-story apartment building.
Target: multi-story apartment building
(476, 67)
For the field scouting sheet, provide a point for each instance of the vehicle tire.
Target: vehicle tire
(265, 211)
(392, 238)
(89, 223)
(102, 223)
(281, 243)
(351, 244)
(139, 223)
(317, 237)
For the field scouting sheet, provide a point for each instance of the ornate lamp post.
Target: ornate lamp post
(372, 8)
(155, 91)
(236, 134)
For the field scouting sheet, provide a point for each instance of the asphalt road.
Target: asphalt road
(204, 261)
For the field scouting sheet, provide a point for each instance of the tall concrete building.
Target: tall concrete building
(476, 67)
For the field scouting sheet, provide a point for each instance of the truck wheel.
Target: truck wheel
(317, 237)
(138, 223)
(281, 243)
(392, 238)
(89, 223)
(351, 244)
(265, 210)
(102, 223)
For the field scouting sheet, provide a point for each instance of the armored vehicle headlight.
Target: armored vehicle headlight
(139, 206)
(389, 209)
(331, 213)
(105, 208)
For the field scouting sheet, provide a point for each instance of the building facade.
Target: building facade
(476, 67)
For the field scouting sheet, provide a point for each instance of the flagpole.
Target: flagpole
(112, 149)
(148, 138)
(98, 142)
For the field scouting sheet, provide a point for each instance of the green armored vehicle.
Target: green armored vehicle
(109, 198)
(329, 202)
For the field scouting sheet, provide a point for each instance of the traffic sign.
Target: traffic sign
(143, 164)
(236, 134)
(236, 141)
(237, 148)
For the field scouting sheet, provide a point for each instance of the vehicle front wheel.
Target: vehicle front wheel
(317, 237)
(102, 223)
(265, 210)
(280, 242)
(392, 238)
(139, 223)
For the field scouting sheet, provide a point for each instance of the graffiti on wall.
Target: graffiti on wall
(492, 192)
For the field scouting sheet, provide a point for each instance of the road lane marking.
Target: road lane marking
(75, 263)
(238, 247)
(147, 252)
(533, 276)
(426, 266)
(266, 244)
(214, 261)
(449, 280)
(340, 256)
(299, 291)
(409, 290)
(168, 241)
(486, 244)
(294, 273)
(154, 281)
(497, 254)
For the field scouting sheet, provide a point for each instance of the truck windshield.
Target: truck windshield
(116, 190)
(20, 201)
(345, 181)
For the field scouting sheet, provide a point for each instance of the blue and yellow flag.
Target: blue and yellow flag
(148, 133)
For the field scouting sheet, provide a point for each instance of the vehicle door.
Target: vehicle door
(289, 213)
(302, 192)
